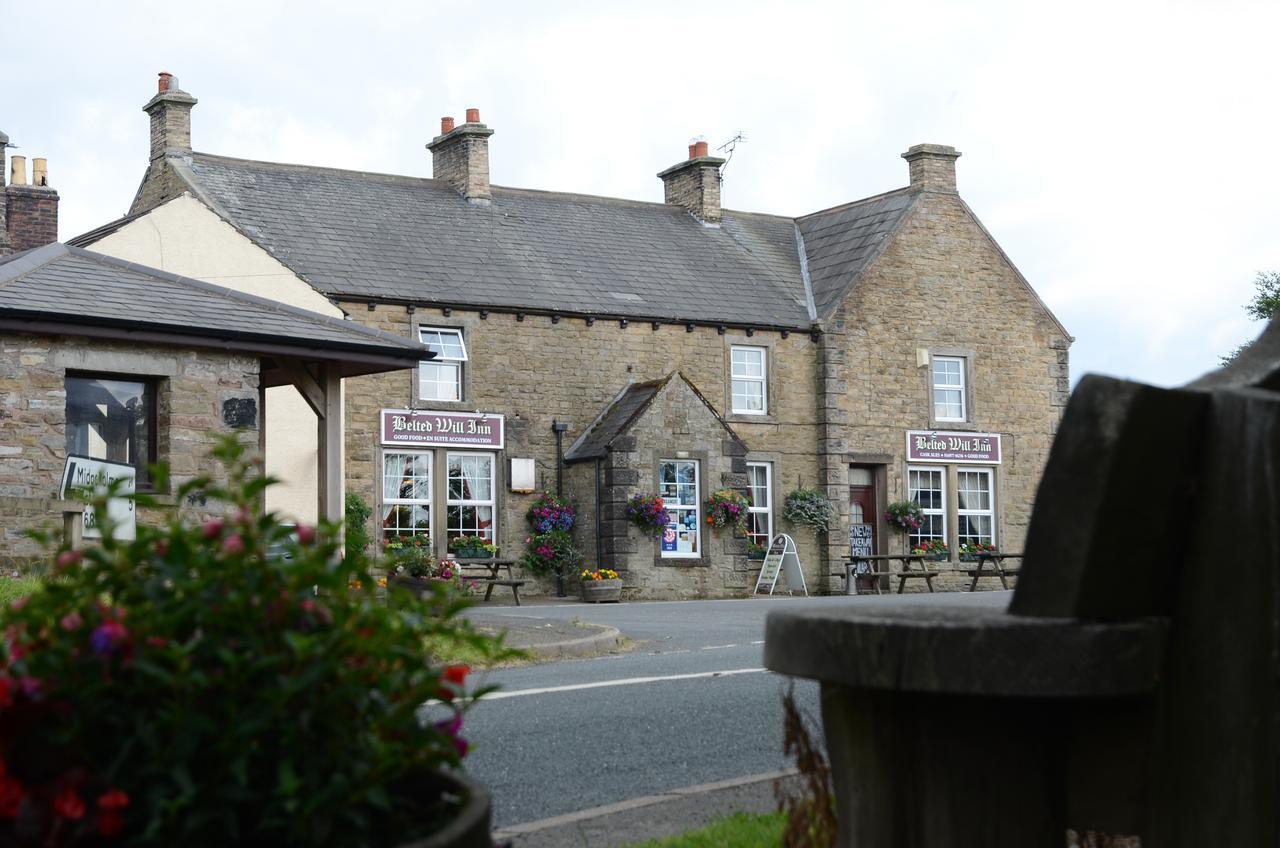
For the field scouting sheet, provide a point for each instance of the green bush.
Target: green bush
(185, 688)
(356, 538)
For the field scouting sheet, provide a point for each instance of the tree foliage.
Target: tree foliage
(1264, 305)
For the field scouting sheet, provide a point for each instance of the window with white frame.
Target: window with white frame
(469, 510)
(678, 484)
(975, 507)
(749, 366)
(760, 511)
(406, 496)
(441, 377)
(949, 388)
(927, 487)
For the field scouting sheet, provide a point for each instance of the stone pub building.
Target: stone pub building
(880, 350)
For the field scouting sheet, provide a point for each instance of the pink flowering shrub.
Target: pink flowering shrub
(221, 685)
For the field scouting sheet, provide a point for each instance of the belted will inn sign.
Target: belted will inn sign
(937, 446)
(420, 428)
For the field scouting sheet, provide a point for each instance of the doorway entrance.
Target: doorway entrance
(862, 501)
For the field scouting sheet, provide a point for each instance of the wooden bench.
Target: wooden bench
(998, 568)
(490, 569)
(1119, 689)
(905, 572)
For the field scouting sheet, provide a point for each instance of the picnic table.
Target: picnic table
(905, 573)
(491, 569)
(996, 560)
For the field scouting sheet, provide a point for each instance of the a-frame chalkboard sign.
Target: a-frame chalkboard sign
(781, 558)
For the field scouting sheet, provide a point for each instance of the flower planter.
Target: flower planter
(468, 827)
(758, 556)
(601, 591)
(937, 557)
(474, 554)
(418, 585)
(968, 557)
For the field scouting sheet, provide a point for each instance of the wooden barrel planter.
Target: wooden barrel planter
(601, 591)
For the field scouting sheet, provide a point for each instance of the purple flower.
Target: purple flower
(109, 637)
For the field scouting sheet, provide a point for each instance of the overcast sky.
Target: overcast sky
(1121, 153)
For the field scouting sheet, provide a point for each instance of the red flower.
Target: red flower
(110, 818)
(212, 529)
(456, 677)
(6, 692)
(69, 805)
(11, 795)
(306, 534)
(233, 544)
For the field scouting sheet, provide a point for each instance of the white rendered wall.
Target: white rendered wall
(185, 237)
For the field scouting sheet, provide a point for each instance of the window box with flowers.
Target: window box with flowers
(600, 586)
(969, 553)
(472, 547)
(756, 551)
(932, 549)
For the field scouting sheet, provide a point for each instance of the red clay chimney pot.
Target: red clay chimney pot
(473, 116)
(165, 76)
(446, 125)
(700, 149)
(693, 150)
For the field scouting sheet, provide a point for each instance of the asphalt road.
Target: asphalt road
(571, 735)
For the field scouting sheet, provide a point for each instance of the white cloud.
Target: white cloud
(1116, 151)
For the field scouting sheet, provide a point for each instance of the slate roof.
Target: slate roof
(839, 243)
(623, 411)
(614, 421)
(72, 286)
(357, 235)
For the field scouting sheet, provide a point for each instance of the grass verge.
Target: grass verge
(12, 588)
(740, 830)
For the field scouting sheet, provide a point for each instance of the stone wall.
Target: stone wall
(536, 370)
(942, 284)
(196, 393)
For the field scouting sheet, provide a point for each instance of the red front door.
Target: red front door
(862, 510)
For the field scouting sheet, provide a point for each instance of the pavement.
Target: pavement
(552, 630)
(546, 638)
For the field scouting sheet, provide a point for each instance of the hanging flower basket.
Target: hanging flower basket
(727, 508)
(904, 515)
(648, 512)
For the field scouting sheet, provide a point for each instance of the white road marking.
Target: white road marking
(628, 681)
(758, 642)
(717, 647)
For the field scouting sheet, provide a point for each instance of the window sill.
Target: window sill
(750, 418)
(934, 424)
(681, 562)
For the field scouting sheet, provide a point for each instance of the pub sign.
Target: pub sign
(423, 428)
(939, 446)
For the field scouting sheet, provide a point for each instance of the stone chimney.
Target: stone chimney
(460, 157)
(170, 112)
(31, 208)
(933, 166)
(695, 184)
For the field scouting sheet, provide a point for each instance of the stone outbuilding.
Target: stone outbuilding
(884, 349)
(108, 367)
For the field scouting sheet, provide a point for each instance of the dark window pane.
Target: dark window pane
(110, 419)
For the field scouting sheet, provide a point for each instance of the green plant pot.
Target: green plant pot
(601, 591)
(968, 557)
(937, 557)
(755, 556)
